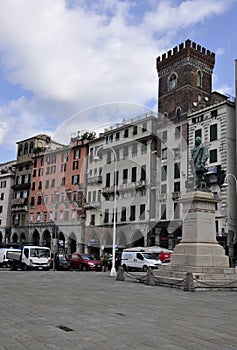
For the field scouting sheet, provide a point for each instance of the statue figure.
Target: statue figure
(199, 159)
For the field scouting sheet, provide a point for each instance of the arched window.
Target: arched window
(20, 150)
(199, 78)
(173, 82)
(31, 147)
(178, 112)
(26, 148)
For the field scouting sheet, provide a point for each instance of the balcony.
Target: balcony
(175, 195)
(92, 205)
(94, 180)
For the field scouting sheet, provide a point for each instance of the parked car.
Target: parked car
(61, 262)
(84, 262)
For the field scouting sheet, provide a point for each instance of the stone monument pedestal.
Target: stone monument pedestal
(199, 253)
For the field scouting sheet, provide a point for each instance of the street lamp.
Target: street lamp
(113, 269)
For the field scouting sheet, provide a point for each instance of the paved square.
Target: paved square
(92, 311)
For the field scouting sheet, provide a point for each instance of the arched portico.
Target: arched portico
(36, 238)
(46, 238)
(72, 243)
(138, 239)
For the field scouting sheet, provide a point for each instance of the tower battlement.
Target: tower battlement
(184, 50)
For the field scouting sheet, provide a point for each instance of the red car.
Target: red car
(84, 262)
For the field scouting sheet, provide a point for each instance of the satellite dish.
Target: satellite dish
(194, 104)
(206, 98)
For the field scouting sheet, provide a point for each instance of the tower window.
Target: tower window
(173, 82)
(199, 78)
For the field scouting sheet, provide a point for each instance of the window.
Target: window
(142, 211)
(106, 216)
(132, 212)
(164, 154)
(178, 113)
(125, 133)
(53, 169)
(92, 219)
(198, 133)
(123, 214)
(176, 170)
(134, 130)
(134, 150)
(26, 148)
(31, 217)
(33, 186)
(213, 132)
(3, 184)
(63, 181)
(31, 147)
(38, 217)
(32, 201)
(117, 136)
(177, 187)
(125, 176)
(75, 165)
(107, 184)
(39, 200)
(173, 82)
(20, 150)
(214, 113)
(40, 185)
(144, 127)
(63, 167)
(45, 216)
(125, 152)
(76, 153)
(143, 172)
(163, 211)
(199, 78)
(1, 208)
(144, 147)
(213, 156)
(177, 132)
(164, 135)
(164, 173)
(53, 183)
(2, 196)
(75, 179)
(134, 174)
(41, 172)
(163, 189)
(64, 156)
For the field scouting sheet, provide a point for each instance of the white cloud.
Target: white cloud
(75, 54)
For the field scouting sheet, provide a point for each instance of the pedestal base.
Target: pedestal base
(199, 253)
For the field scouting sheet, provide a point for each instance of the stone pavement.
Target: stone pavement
(42, 310)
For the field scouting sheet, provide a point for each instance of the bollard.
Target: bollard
(150, 280)
(120, 274)
(189, 286)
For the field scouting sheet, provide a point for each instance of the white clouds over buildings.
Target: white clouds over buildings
(66, 56)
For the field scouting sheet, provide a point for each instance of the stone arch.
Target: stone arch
(72, 243)
(172, 81)
(137, 239)
(14, 238)
(108, 240)
(199, 78)
(35, 238)
(94, 245)
(61, 241)
(46, 238)
(122, 240)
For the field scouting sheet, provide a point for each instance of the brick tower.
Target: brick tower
(185, 79)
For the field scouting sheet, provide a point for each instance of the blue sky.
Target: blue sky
(69, 65)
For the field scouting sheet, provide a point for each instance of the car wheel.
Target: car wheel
(145, 268)
(25, 267)
(83, 268)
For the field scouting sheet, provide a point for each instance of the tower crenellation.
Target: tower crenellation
(184, 50)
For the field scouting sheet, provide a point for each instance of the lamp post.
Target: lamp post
(113, 269)
(233, 217)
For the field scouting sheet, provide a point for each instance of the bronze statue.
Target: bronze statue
(199, 159)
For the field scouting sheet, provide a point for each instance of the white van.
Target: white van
(137, 260)
(3, 256)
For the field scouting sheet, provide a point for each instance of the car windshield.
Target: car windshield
(87, 257)
(150, 256)
(62, 258)
(40, 253)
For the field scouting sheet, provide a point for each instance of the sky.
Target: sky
(73, 65)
